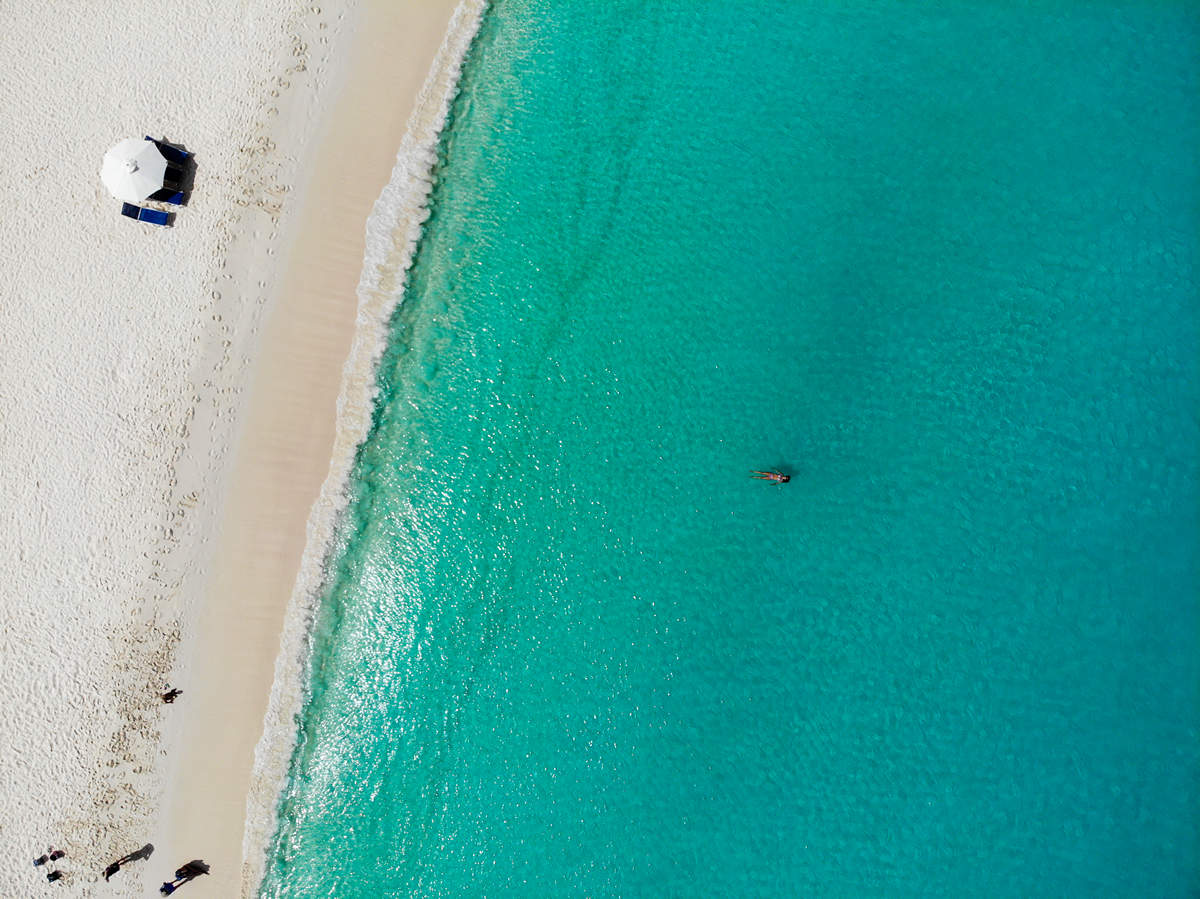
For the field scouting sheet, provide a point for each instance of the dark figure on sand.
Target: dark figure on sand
(777, 476)
(52, 855)
(170, 695)
(190, 871)
(139, 854)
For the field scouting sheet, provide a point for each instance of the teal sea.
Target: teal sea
(938, 262)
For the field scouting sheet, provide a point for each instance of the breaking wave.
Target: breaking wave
(393, 232)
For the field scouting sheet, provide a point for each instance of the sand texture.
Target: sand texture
(151, 380)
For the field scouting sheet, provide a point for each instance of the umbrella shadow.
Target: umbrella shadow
(181, 172)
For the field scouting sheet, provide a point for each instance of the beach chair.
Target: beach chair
(166, 195)
(154, 216)
(172, 154)
(142, 214)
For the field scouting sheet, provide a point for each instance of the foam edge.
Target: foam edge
(392, 234)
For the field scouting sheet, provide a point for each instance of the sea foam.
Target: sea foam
(392, 235)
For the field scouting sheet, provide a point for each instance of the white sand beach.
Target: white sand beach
(168, 401)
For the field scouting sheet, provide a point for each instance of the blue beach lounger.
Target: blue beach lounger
(172, 154)
(153, 216)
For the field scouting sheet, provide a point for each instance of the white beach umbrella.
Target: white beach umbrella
(133, 169)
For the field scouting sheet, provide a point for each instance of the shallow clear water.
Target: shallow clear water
(937, 263)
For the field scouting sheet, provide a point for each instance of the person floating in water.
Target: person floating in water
(170, 695)
(777, 477)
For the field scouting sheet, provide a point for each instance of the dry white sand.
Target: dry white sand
(158, 454)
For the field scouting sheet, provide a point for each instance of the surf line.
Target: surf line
(394, 230)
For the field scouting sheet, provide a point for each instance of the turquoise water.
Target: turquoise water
(938, 262)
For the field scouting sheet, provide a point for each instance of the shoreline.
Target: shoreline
(282, 457)
(169, 399)
(392, 234)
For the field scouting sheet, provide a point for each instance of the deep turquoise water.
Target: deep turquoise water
(939, 262)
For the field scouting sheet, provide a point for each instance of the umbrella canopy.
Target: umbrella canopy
(133, 170)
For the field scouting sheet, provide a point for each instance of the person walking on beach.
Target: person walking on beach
(169, 696)
(183, 874)
(134, 856)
